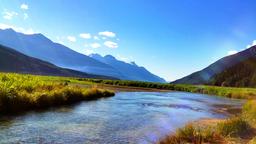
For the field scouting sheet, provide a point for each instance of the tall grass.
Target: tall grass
(192, 134)
(235, 127)
(230, 92)
(24, 92)
(249, 112)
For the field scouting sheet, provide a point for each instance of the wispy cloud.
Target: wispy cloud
(253, 44)
(96, 38)
(110, 44)
(24, 6)
(17, 29)
(9, 14)
(88, 51)
(107, 34)
(85, 35)
(25, 16)
(232, 52)
(125, 59)
(95, 45)
(71, 38)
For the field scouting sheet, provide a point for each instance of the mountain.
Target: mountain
(38, 46)
(204, 76)
(128, 71)
(14, 61)
(242, 74)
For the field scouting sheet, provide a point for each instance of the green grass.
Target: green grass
(249, 112)
(234, 128)
(230, 92)
(25, 92)
(192, 134)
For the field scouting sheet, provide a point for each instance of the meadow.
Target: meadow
(230, 92)
(21, 92)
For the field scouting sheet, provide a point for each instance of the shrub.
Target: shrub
(233, 127)
(249, 112)
(192, 134)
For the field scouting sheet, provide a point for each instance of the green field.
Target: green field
(231, 92)
(20, 92)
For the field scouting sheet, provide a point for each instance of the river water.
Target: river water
(129, 117)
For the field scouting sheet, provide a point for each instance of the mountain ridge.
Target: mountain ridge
(41, 47)
(14, 61)
(203, 76)
(129, 71)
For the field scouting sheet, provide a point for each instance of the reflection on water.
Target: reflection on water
(129, 117)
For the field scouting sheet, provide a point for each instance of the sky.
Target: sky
(171, 38)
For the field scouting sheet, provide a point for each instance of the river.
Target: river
(128, 117)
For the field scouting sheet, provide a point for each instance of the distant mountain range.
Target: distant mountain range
(128, 71)
(39, 46)
(220, 68)
(14, 61)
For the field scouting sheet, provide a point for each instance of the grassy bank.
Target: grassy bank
(25, 92)
(240, 93)
(239, 129)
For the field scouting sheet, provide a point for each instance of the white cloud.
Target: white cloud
(107, 34)
(95, 45)
(96, 38)
(24, 6)
(88, 52)
(71, 38)
(17, 29)
(25, 16)
(9, 14)
(60, 39)
(86, 45)
(232, 52)
(85, 35)
(125, 59)
(111, 44)
(253, 44)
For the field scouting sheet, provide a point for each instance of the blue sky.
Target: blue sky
(171, 38)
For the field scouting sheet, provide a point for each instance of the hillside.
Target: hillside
(204, 76)
(128, 71)
(13, 61)
(39, 46)
(242, 74)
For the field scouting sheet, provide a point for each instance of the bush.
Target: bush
(249, 112)
(233, 127)
(192, 134)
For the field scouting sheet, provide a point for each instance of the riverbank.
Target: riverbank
(230, 92)
(239, 128)
(20, 93)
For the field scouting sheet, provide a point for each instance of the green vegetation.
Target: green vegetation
(192, 134)
(25, 92)
(234, 129)
(242, 74)
(230, 92)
